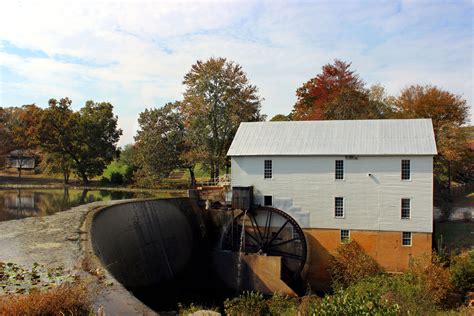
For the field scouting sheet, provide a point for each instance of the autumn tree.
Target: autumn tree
(449, 112)
(160, 144)
(87, 138)
(218, 97)
(335, 94)
(19, 127)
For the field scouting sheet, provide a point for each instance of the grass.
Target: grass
(65, 299)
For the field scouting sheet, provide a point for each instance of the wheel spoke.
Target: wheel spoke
(282, 243)
(277, 233)
(256, 227)
(251, 236)
(266, 230)
(286, 254)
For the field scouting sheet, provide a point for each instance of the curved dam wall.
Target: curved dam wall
(144, 243)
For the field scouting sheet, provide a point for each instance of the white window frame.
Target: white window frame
(336, 169)
(407, 238)
(268, 170)
(335, 207)
(402, 169)
(345, 239)
(402, 208)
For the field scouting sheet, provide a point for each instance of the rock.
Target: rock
(205, 313)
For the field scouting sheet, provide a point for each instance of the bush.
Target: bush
(282, 305)
(347, 303)
(351, 264)
(116, 178)
(431, 275)
(248, 304)
(462, 272)
(402, 290)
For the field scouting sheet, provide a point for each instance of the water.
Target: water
(241, 248)
(21, 203)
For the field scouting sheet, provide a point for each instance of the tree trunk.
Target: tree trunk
(66, 177)
(192, 184)
(212, 175)
(217, 170)
(449, 180)
(19, 172)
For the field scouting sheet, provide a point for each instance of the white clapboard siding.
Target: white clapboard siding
(370, 202)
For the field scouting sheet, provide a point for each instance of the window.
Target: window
(339, 173)
(405, 208)
(406, 170)
(267, 169)
(267, 200)
(406, 239)
(345, 235)
(339, 207)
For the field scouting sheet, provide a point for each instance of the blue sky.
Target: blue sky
(134, 54)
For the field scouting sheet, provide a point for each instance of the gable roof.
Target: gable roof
(345, 137)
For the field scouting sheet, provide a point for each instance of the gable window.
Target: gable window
(406, 173)
(406, 238)
(345, 234)
(267, 169)
(406, 208)
(339, 171)
(267, 200)
(339, 207)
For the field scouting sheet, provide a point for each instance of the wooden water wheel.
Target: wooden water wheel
(272, 232)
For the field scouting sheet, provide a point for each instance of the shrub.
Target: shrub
(431, 275)
(116, 178)
(344, 302)
(402, 290)
(104, 181)
(248, 304)
(351, 264)
(462, 272)
(282, 305)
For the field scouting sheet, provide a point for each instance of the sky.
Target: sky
(135, 54)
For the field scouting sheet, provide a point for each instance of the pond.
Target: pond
(21, 203)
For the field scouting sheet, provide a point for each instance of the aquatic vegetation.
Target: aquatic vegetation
(15, 279)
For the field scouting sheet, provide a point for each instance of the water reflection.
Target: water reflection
(16, 204)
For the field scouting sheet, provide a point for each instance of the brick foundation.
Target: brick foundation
(385, 247)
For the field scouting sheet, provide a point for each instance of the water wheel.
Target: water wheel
(272, 232)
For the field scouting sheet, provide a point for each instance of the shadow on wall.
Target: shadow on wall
(317, 273)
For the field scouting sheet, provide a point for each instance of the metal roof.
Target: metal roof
(345, 137)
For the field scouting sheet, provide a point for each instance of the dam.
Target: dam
(170, 251)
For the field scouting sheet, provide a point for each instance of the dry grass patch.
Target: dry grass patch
(65, 299)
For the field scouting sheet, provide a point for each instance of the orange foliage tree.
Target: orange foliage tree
(449, 113)
(336, 93)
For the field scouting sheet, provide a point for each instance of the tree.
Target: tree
(160, 143)
(449, 113)
(336, 94)
(218, 97)
(280, 118)
(20, 129)
(87, 138)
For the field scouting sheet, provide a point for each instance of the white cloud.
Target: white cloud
(135, 53)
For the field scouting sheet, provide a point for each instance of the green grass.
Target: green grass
(114, 166)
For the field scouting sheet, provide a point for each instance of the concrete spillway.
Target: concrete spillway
(161, 251)
(144, 243)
